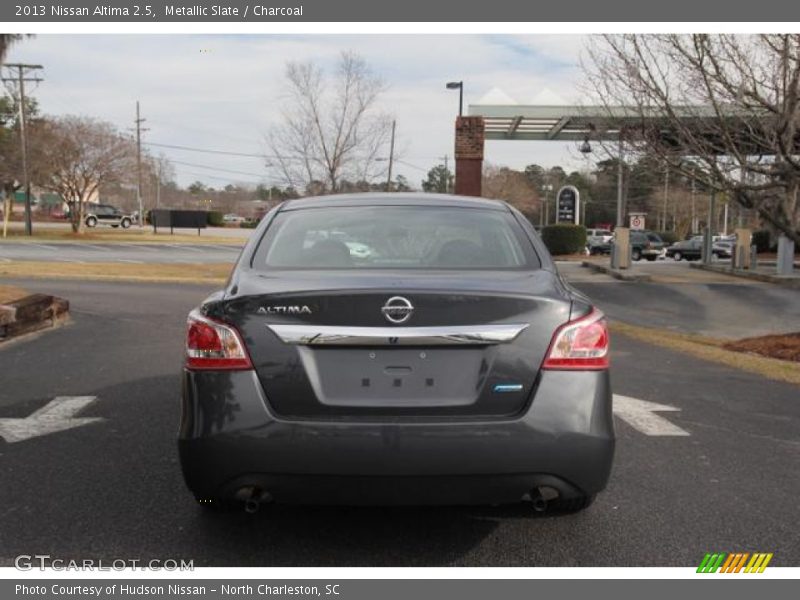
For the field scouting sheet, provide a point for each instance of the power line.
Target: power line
(250, 155)
(209, 151)
(408, 164)
(187, 164)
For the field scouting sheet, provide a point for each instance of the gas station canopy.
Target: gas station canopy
(552, 123)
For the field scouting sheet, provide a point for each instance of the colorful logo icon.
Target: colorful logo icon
(734, 562)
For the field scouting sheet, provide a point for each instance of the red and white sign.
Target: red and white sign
(637, 221)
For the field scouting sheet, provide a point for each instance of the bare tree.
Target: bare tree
(721, 109)
(332, 129)
(514, 187)
(6, 41)
(79, 155)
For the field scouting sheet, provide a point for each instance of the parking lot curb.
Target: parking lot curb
(792, 281)
(615, 273)
(31, 313)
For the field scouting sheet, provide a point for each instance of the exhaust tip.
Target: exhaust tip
(253, 497)
(540, 496)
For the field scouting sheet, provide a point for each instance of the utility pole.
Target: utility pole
(20, 80)
(445, 158)
(694, 216)
(725, 218)
(158, 186)
(391, 159)
(620, 207)
(138, 122)
(666, 197)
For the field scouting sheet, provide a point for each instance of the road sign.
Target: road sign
(637, 221)
(568, 202)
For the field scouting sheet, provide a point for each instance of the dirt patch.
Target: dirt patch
(783, 347)
(9, 293)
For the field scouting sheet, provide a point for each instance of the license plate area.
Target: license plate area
(397, 377)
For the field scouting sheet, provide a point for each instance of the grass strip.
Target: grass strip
(213, 273)
(711, 349)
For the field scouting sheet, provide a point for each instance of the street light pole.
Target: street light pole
(458, 85)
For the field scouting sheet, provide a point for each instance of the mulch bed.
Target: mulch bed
(784, 346)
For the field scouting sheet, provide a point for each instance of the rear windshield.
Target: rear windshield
(395, 237)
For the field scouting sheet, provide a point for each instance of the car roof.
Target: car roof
(394, 199)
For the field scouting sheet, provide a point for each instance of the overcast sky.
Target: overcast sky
(221, 91)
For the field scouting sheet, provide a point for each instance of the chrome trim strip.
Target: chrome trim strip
(332, 335)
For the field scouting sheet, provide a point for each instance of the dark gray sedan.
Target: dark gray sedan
(396, 349)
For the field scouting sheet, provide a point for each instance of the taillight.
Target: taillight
(580, 345)
(214, 346)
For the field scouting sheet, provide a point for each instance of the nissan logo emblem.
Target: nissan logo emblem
(397, 310)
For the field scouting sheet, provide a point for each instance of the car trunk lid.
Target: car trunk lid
(324, 346)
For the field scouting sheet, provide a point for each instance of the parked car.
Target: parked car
(646, 244)
(692, 249)
(686, 250)
(595, 246)
(600, 235)
(451, 366)
(724, 248)
(232, 218)
(105, 214)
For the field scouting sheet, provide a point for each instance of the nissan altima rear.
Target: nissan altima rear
(396, 349)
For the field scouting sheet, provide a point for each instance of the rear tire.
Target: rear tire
(91, 222)
(126, 223)
(636, 255)
(677, 256)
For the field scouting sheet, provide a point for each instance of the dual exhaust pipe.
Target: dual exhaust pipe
(254, 497)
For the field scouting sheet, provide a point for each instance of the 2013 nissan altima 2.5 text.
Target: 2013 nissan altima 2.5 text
(396, 349)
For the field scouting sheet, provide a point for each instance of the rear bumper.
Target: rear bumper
(229, 438)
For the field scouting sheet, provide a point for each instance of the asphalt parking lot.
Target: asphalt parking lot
(711, 469)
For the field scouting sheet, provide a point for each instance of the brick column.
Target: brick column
(469, 155)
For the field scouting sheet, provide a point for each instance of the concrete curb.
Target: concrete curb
(615, 273)
(31, 313)
(790, 282)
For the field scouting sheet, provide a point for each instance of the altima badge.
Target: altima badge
(397, 310)
(284, 310)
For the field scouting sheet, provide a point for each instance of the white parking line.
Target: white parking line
(56, 415)
(130, 260)
(640, 415)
